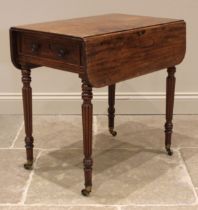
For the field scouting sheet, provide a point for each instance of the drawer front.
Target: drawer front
(60, 49)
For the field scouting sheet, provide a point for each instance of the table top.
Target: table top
(97, 25)
(104, 49)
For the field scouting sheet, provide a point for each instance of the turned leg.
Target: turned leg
(87, 113)
(111, 109)
(27, 108)
(170, 91)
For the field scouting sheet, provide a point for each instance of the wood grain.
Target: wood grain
(50, 47)
(107, 49)
(116, 57)
(96, 25)
(47, 53)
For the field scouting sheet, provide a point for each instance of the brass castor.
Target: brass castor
(28, 165)
(112, 132)
(86, 191)
(169, 151)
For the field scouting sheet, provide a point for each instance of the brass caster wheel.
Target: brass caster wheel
(86, 191)
(112, 132)
(169, 151)
(28, 165)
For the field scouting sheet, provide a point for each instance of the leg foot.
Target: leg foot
(86, 191)
(28, 165)
(169, 151)
(112, 132)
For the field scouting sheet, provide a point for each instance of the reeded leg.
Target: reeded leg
(27, 108)
(111, 109)
(170, 91)
(87, 112)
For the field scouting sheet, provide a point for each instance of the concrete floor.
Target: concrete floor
(131, 171)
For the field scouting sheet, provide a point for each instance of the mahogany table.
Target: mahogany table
(102, 50)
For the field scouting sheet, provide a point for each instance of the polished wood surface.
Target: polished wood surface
(61, 49)
(115, 47)
(116, 57)
(97, 25)
(102, 50)
(38, 49)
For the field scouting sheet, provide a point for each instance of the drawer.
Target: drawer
(61, 49)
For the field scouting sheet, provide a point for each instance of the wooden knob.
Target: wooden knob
(61, 53)
(35, 47)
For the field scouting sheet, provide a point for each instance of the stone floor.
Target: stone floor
(131, 170)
